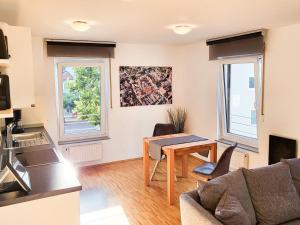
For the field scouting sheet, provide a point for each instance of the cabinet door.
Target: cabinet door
(20, 70)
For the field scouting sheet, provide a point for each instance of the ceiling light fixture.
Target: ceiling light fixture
(182, 28)
(81, 26)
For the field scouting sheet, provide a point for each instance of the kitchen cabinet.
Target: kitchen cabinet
(4, 63)
(63, 209)
(19, 67)
(6, 113)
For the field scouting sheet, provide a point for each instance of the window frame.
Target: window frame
(222, 122)
(104, 68)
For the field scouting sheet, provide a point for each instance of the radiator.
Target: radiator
(239, 157)
(82, 153)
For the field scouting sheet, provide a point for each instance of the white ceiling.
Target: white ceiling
(147, 20)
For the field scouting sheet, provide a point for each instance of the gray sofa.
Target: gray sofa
(267, 196)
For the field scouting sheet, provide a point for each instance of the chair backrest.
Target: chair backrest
(164, 129)
(222, 166)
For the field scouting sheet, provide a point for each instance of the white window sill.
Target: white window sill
(77, 141)
(242, 146)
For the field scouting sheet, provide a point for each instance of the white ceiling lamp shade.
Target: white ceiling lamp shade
(81, 26)
(182, 29)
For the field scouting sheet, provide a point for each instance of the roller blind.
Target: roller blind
(237, 45)
(70, 48)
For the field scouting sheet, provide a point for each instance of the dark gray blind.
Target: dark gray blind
(241, 45)
(67, 48)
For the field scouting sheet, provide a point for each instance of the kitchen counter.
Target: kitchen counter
(46, 181)
(53, 183)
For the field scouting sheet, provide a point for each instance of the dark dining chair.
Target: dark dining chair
(161, 129)
(210, 170)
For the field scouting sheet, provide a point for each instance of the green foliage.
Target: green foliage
(86, 88)
(178, 117)
(69, 99)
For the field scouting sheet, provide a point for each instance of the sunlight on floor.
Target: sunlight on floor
(109, 216)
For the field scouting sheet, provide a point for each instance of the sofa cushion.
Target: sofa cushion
(294, 222)
(294, 165)
(273, 194)
(230, 211)
(233, 182)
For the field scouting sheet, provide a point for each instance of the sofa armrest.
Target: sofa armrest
(192, 213)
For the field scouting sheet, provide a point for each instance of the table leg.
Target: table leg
(170, 170)
(213, 152)
(184, 160)
(146, 163)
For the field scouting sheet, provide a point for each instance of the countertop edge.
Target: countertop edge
(33, 197)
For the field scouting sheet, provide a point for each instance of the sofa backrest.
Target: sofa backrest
(273, 193)
(294, 165)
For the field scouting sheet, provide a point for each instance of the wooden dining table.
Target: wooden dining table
(182, 150)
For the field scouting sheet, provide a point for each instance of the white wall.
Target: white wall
(127, 126)
(282, 93)
(200, 89)
(282, 80)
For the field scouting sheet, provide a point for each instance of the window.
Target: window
(82, 98)
(239, 100)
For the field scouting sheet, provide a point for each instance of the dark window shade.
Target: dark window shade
(242, 45)
(80, 49)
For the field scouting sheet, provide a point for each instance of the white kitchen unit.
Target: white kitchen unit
(19, 67)
(4, 63)
(6, 113)
(57, 210)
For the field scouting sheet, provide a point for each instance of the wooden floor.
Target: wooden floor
(115, 194)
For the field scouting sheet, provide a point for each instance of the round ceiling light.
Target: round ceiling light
(80, 25)
(182, 28)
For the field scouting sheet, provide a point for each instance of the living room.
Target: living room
(155, 60)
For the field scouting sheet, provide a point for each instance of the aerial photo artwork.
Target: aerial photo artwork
(142, 85)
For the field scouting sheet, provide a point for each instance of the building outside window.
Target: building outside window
(251, 82)
(82, 98)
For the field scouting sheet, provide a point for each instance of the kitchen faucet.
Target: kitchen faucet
(9, 130)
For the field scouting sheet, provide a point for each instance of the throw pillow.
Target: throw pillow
(230, 211)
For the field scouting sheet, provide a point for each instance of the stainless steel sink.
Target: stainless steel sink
(38, 158)
(29, 139)
(27, 136)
